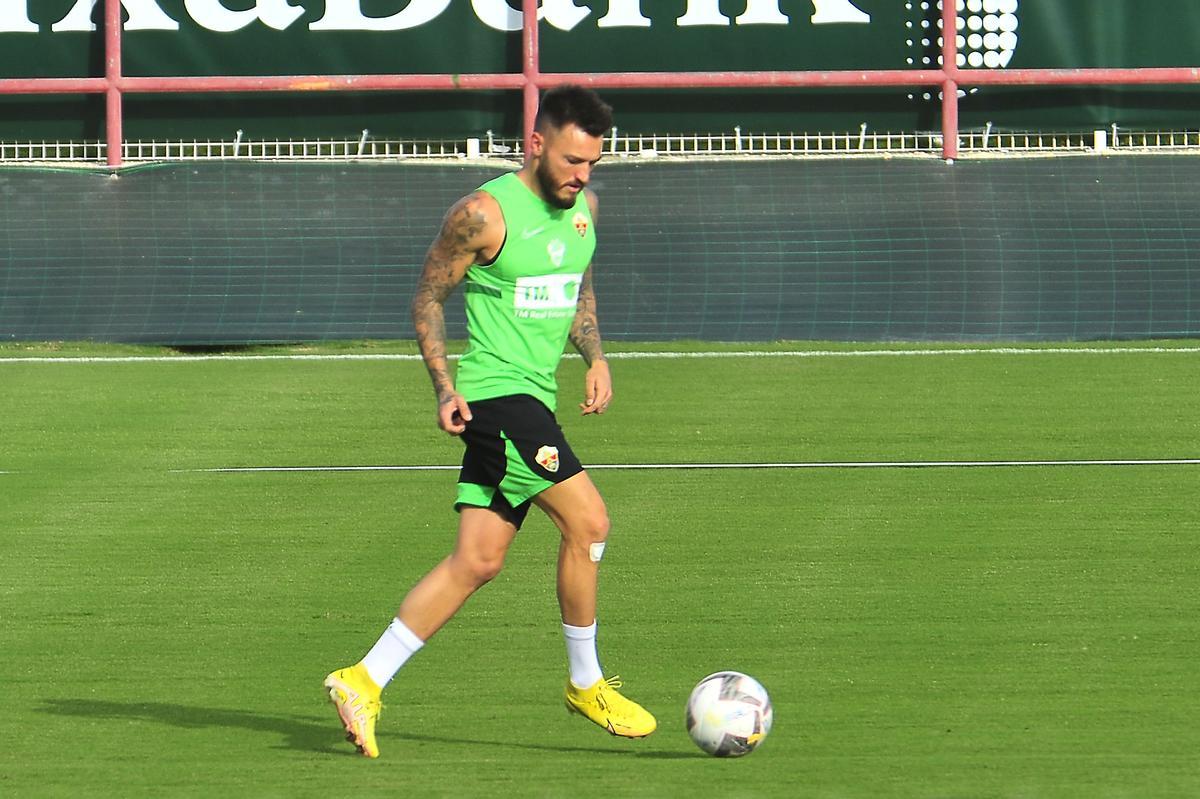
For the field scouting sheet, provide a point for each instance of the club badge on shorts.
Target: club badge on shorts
(547, 458)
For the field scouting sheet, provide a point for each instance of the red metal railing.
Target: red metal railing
(531, 79)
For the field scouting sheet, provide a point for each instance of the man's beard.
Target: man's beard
(549, 190)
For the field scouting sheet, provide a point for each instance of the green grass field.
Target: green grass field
(1026, 631)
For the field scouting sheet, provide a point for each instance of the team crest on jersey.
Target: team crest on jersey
(547, 458)
(581, 224)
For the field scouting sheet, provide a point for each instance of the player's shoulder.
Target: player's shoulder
(478, 204)
(593, 202)
(474, 215)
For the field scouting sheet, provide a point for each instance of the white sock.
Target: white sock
(391, 651)
(581, 654)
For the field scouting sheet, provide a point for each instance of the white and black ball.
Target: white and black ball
(728, 714)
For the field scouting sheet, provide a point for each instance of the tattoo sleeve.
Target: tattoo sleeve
(585, 330)
(446, 263)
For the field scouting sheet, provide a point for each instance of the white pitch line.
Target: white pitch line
(902, 353)
(698, 466)
(666, 355)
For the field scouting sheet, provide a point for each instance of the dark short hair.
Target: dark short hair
(573, 104)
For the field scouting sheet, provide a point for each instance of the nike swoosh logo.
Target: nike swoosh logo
(528, 234)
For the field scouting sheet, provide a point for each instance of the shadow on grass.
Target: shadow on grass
(299, 732)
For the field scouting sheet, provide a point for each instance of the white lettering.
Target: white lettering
(762, 12)
(826, 12)
(499, 15)
(702, 12)
(144, 15)
(547, 292)
(14, 17)
(347, 15)
(277, 14)
(624, 14)
(563, 14)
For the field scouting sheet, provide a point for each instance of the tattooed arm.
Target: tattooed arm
(472, 232)
(585, 336)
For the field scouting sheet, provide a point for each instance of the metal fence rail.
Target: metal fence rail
(736, 143)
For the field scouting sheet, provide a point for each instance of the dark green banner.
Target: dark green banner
(59, 38)
(858, 249)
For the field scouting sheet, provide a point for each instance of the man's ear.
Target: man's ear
(536, 142)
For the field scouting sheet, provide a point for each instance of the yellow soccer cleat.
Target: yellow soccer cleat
(603, 705)
(356, 697)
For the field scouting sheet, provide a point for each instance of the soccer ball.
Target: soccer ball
(728, 714)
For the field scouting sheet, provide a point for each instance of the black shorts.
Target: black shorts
(515, 451)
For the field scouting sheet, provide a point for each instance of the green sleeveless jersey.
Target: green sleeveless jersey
(521, 306)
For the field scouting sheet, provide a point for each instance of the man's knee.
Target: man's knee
(590, 532)
(478, 568)
(486, 569)
(483, 541)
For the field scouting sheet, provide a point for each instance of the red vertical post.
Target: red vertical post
(530, 68)
(113, 129)
(950, 84)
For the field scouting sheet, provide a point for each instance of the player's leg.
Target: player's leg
(483, 540)
(484, 537)
(577, 509)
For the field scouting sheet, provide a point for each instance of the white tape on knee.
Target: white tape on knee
(596, 551)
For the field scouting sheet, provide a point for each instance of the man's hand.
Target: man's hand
(597, 388)
(453, 413)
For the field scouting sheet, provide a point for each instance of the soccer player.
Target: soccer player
(523, 244)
